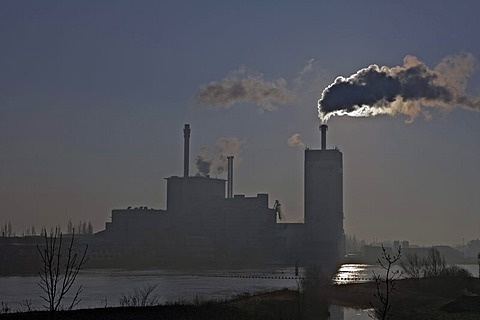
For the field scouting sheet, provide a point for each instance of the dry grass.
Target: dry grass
(414, 299)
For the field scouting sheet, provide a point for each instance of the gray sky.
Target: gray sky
(94, 96)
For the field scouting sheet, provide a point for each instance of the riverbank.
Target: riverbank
(281, 304)
(431, 298)
(427, 298)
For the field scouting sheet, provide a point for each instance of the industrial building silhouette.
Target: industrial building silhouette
(206, 226)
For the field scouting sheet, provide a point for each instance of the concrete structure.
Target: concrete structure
(230, 177)
(323, 195)
(203, 227)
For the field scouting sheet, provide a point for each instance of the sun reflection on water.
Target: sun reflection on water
(353, 273)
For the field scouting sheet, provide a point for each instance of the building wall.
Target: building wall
(323, 194)
(137, 226)
(185, 193)
(206, 227)
(201, 226)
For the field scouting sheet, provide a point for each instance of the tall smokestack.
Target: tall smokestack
(186, 150)
(323, 130)
(230, 177)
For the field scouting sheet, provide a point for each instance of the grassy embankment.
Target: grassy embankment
(426, 298)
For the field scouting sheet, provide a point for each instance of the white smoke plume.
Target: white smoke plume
(218, 163)
(241, 86)
(409, 89)
(296, 141)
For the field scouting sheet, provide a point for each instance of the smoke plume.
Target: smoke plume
(217, 164)
(296, 141)
(225, 147)
(241, 87)
(202, 162)
(409, 89)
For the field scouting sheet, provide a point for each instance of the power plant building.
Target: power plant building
(206, 226)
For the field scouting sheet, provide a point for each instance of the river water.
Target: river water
(105, 287)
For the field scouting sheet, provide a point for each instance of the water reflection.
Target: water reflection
(353, 273)
(359, 273)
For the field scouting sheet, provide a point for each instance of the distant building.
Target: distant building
(203, 228)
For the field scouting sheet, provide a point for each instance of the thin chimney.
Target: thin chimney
(323, 130)
(186, 150)
(230, 177)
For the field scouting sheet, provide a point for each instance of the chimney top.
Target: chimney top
(323, 131)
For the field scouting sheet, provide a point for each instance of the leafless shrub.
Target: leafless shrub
(141, 297)
(58, 273)
(434, 263)
(26, 306)
(104, 303)
(413, 265)
(4, 308)
(456, 272)
(385, 285)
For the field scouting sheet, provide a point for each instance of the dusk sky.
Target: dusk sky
(94, 96)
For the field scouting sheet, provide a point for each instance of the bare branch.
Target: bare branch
(59, 271)
(385, 285)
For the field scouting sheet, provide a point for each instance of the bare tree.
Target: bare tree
(413, 265)
(386, 285)
(69, 227)
(4, 308)
(10, 230)
(30, 231)
(58, 273)
(435, 263)
(89, 228)
(7, 230)
(141, 297)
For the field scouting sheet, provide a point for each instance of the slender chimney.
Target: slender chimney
(230, 177)
(323, 130)
(186, 150)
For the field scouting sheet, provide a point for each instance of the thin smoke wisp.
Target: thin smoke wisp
(243, 87)
(250, 87)
(296, 141)
(217, 164)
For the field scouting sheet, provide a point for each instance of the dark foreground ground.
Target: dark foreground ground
(422, 299)
(431, 298)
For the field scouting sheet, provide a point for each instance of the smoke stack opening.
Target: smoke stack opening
(186, 150)
(323, 131)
